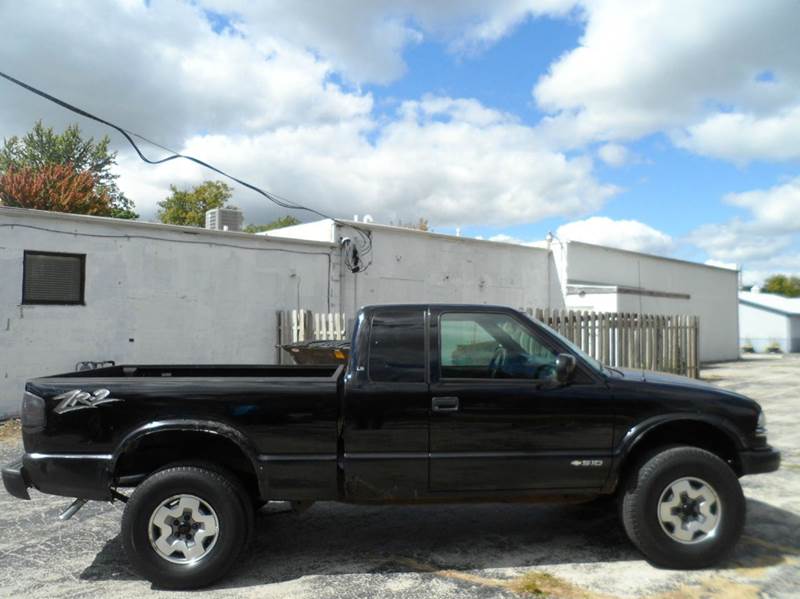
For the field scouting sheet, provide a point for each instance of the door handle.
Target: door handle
(448, 403)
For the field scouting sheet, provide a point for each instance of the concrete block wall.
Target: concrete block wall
(153, 294)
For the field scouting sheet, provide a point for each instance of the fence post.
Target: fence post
(280, 336)
(611, 338)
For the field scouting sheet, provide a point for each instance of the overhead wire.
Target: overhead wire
(357, 255)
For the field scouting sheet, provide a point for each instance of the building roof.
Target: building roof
(135, 228)
(596, 246)
(535, 245)
(372, 226)
(789, 306)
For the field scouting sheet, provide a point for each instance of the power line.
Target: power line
(355, 261)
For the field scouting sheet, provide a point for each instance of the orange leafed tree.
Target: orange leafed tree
(55, 187)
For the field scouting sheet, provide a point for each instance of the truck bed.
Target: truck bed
(329, 371)
(285, 417)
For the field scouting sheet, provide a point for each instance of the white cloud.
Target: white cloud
(257, 102)
(452, 162)
(667, 65)
(365, 40)
(741, 137)
(601, 230)
(737, 241)
(776, 209)
(160, 70)
(614, 154)
(625, 234)
(765, 242)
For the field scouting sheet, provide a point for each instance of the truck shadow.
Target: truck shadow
(334, 539)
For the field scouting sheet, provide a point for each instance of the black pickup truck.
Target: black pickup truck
(437, 403)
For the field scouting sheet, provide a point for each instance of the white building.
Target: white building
(766, 320)
(144, 293)
(408, 265)
(613, 280)
(578, 275)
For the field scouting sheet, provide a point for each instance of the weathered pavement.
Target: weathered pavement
(347, 551)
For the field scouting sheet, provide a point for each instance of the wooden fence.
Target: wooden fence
(667, 343)
(305, 325)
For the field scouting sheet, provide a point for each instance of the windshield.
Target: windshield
(593, 362)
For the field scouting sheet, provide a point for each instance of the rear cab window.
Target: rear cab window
(397, 347)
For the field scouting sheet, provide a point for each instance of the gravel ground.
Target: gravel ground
(498, 550)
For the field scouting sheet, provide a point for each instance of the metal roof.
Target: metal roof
(789, 306)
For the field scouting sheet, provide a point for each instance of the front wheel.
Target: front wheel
(683, 508)
(185, 526)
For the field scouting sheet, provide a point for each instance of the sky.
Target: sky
(670, 127)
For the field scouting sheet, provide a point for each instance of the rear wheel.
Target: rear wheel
(185, 526)
(683, 508)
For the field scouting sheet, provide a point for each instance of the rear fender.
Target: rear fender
(191, 425)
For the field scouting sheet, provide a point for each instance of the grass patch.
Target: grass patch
(542, 584)
(10, 430)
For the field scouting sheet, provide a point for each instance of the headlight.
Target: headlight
(761, 425)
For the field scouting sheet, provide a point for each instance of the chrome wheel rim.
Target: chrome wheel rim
(689, 510)
(183, 529)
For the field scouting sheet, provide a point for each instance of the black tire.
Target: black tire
(250, 504)
(219, 491)
(640, 501)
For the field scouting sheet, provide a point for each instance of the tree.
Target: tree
(55, 187)
(188, 207)
(41, 149)
(783, 285)
(278, 223)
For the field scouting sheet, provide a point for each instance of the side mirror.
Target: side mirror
(565, 366)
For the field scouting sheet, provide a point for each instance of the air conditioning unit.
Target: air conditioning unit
(224, 219)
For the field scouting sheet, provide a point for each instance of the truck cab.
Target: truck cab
(464, 401)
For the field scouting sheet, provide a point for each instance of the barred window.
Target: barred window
(53, 278)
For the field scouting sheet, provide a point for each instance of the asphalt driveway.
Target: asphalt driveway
(345, 551)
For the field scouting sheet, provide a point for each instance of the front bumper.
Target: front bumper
(14, 480)
(85, 476)
(759, 461)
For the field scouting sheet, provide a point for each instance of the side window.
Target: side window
(487, 345)
(397, 347)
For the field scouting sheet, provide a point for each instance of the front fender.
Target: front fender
(636, 433)
(639, 432)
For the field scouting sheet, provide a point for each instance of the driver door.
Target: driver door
(499, 420)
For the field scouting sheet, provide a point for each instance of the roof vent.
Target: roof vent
(224, 219)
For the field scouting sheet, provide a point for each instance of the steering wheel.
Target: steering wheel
(498, 359)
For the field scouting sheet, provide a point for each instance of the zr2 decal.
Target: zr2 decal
(80, 400)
